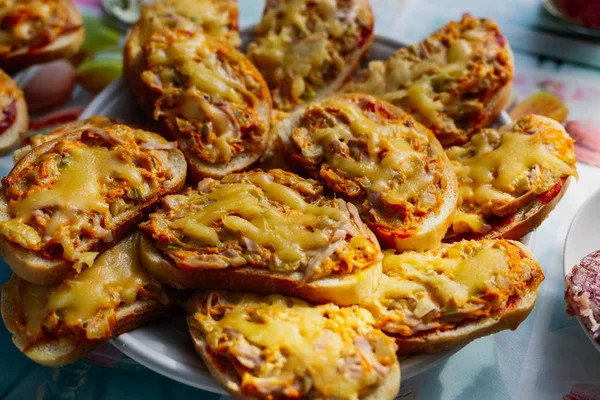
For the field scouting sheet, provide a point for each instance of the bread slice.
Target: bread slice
(381, 159)
(464, 334)
(343, 290)
(32, 266)
(55, 352)
(187, 244)
(282, 52)
(449, 296)
(492, 168)
(455, 82)
(14, 108)
(64, 46)
(225, 373)
(56, 325)
(215, 113)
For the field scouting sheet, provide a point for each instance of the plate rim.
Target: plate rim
(159, 361)
(568, 266)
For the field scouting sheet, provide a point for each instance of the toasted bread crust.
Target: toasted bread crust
(342, 291)
(31, 266)
(524, 220)
(441, 341)
(55, 352)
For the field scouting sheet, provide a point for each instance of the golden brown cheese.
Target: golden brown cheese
(376, 155)
(218, 18)
(210, 95)
(303, 45)
(324, 352)
(498, 171)
(87, 304)
(444, 287)
(273, 220)
(33, 24)
(446, 81)
(78, 190)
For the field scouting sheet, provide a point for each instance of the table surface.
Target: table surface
(547, 357)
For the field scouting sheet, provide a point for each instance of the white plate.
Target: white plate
(165, 347)
(582, 239)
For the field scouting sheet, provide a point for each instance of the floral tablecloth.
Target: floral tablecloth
(548, 357)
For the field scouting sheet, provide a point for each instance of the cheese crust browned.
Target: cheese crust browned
(274, 221)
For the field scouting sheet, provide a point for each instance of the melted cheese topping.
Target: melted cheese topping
(442, 287)
(277, 219)
(76, 191)
(241, 211)
(374, 153)
(79, 185)
(319, 343)
(302, 45)
(399, 159)
(209, 93)
(90, 300)
(78, 188)
(216, 17)
(498, 171)
(446, 80)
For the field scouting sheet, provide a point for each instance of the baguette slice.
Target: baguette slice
(511, 179)
(378, 157)
(57, 325)
(263, 232)
(61, 32)
(318, 344)
(306, 49)
(218, 108)
(89, 161)
(14, 120)
(455, 82)
(454, 294)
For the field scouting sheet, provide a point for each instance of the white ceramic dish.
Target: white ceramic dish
(582, 239)
(165, 347)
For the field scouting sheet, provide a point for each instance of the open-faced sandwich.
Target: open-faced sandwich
(38, 31)
(378, 157)
(208, 97)
(510, 179)
(276, 347)
(448, 296)
(72, 197)
(14, 120)
(455, 82)
(58, 324)
(218, 18)
(306, 49)
(263, 232)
